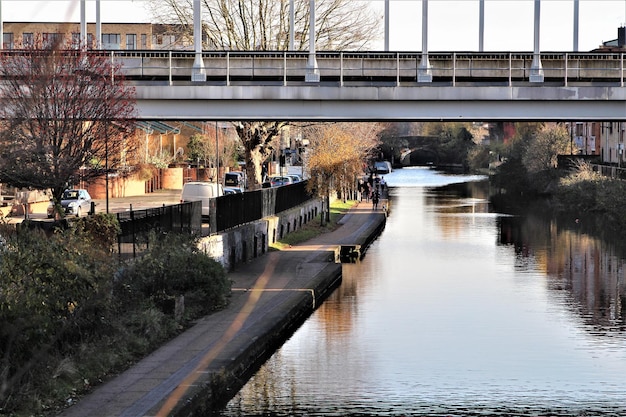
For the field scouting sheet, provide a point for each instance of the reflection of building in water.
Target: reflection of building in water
(592, 271)
(595, 276)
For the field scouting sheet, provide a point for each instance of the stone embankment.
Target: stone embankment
(205, 366)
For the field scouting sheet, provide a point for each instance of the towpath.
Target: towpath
(272, 295)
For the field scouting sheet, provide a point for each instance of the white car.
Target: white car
(74, 201)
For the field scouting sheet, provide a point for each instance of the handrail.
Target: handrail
(352, 67)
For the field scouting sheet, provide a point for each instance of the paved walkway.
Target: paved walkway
(266, 291)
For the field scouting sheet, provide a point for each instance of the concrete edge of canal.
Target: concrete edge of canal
(273, 330)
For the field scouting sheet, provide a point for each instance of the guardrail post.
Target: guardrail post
(227, 69)
(510, 69)
(284, 68)
(454, 69)
(621, 67)
(566, 68)
(341, 69)
(397, 69)
(170, 68)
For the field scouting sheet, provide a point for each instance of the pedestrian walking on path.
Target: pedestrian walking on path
(375, 199)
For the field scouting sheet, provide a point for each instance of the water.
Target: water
(458, 310)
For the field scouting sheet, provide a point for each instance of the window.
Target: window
(28, 40)
(7, 41)
(131, 41)
(51, 39)
(144, 41)
(111, 40)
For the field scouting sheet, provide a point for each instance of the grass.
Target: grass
(313, 228)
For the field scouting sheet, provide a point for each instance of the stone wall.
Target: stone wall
(251, 240)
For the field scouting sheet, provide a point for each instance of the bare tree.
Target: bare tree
(65, 113)
(264, 25)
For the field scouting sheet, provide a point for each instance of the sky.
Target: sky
(453, 24)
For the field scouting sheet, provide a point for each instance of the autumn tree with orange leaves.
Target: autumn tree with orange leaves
(337, 155)
(66, 115)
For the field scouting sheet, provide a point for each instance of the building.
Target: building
(126, 36)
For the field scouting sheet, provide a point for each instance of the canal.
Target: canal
(459, 310)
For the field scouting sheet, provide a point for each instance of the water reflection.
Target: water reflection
(458, 310)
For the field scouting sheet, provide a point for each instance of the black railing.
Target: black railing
(236, 209)
(136, 225)
(226, 212)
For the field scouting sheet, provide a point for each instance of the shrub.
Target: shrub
(174, 266)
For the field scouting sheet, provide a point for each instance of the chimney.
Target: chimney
(621, 36)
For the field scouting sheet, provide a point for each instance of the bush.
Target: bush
(174, 266)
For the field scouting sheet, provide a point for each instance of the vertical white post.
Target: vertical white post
(481, 26)
(198, 72)
(576, 19)
(312, 73)
(424, 75)
(83, 24)
(536, 70)
(98, 39)
(386, 25)
(292, 23)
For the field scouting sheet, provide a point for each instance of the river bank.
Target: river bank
(202, 368)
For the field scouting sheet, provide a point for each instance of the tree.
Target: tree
(66, 113)
(336, 155)
(264, 25)
(543, 149)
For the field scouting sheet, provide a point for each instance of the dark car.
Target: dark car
(76, 201)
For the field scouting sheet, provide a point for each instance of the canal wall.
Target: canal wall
(246, 242)
(287, 314)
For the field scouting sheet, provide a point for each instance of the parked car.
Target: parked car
(232, 190)
(279, 180)
(235, 179)
(295, 177)
(74, 201)
(201, 191)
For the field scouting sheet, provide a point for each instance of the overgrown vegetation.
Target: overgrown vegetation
(71, 315)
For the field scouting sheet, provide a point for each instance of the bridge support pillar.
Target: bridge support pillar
(424, 73)
(198, 72)
(312, 71)
(536, 70)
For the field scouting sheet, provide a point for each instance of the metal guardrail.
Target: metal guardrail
(136, 225)
(371, 68)
(394, 68)
(226, 212)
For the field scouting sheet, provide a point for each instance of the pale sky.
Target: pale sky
(453, 24)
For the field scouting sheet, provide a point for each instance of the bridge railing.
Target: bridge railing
(371, 68)
(358, 68)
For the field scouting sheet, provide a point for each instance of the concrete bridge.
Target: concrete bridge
(373, 86)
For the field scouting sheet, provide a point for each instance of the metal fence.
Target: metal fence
(226, 212)
(236, 209)
(136, 225)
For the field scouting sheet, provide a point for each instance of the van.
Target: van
(201, 191)
(235, 179)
